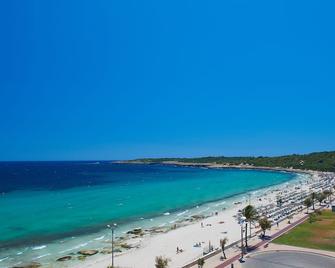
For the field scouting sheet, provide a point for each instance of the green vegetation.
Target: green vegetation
(201, 262)
(223, 243)
(161, 262)
(251, 216)
(312, 217)
(328, 193)
(313, 197)
(308, 202)
(265, 224)
(321, 197)
(317, 233)
(323, 161)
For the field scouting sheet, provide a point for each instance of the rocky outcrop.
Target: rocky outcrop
(88, 252)
(29, 265)
(65, 258)
(125, 246)
(136, 231)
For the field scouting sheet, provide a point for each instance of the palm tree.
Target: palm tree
(313, 197)
(201, 262)
(223, 243)
(327, 193)
(332, 192)
(251, 215)
(265, 224)
(320, 197)
(161, 262)
(307, 203)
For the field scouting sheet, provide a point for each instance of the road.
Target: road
(281, 259)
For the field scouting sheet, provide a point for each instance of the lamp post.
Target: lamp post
(112, 227)
(242, 221)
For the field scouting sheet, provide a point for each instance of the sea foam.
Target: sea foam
(39, 247)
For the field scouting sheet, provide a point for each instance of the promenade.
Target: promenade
(255, 243)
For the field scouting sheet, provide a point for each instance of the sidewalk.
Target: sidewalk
(255, 243)
(255, 246)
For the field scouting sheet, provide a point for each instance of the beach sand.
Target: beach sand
(212, 229)
(184, 237)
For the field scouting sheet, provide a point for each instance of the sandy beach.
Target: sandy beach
(214, 228)
(207, 231)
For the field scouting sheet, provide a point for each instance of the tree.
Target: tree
(265, 224)
(251, 215)
(161, 262)
(313, 197)
(327, 193)
(307, 203)
(223, 243)
(322, 161)
(330, 194)
(201, 262)
(320, 197)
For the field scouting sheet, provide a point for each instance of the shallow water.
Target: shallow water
(59, 207)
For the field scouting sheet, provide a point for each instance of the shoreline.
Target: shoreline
(158, 231)
(145, 248)
(100, 227)
(217, 166)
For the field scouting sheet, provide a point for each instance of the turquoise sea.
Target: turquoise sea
(49, 209)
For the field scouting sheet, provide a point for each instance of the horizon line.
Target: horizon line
(205, 156)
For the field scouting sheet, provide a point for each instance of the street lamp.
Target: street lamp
(242, 221)
(112, 227)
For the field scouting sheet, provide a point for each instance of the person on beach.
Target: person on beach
(177, 250)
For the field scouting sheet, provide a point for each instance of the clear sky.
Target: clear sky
(119, 79)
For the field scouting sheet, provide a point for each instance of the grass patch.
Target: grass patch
(320, 234)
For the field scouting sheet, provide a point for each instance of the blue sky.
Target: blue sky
(126, 79)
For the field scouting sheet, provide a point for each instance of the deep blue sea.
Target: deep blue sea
(45, 202)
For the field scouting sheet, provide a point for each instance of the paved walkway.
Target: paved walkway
(257, 245)
(288, 259)
(253, 246)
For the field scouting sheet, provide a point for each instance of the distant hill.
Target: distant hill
(322, 161)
